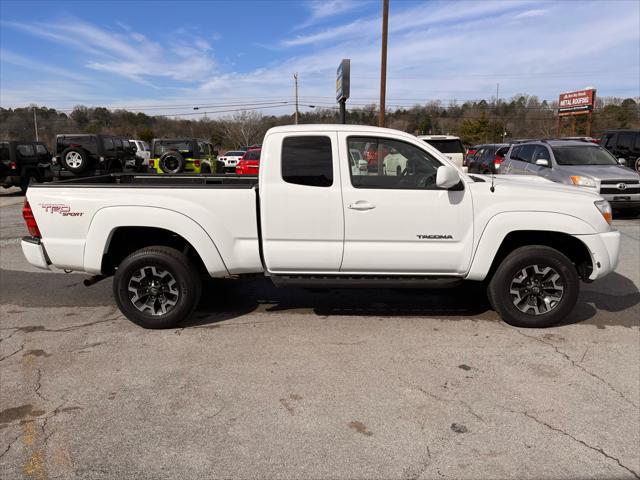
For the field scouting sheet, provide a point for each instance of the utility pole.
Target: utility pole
(35, 122)
(383, 61)
(295, 78)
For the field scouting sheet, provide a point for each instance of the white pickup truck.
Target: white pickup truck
(310, 219)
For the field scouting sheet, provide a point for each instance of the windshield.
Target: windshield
(447, 146)
(583, 155)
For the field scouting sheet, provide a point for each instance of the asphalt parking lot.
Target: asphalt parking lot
(291, 383)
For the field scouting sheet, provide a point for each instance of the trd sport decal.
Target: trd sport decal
(60, 209)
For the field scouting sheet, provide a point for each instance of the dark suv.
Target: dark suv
(79, 152)
(487, 158)
(20, 161)
(623, 144)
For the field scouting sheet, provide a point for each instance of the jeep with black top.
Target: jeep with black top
(182, 155)
(21, 161)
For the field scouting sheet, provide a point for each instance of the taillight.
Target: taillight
(13, 165)
(196, 163)
(497, 161)
(30, 220)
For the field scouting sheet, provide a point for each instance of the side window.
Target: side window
(541, 153)
(515, 153)
(41, 149)
(607, 140)
(393, 165)
(25, 150)
(307, 161)
(4, 151)
(118, 143)
(527, 153)
(624, 140)
(108, 144)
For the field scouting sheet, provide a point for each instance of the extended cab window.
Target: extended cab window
(108, 144)
(307, 161)
(392, 164)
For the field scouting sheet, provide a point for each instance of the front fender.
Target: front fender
(500, 225)
(108, 219)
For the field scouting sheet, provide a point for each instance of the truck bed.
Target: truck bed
(217, 214)
(142, 180)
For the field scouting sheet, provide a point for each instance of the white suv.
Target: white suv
(448, 145)
(143, 151)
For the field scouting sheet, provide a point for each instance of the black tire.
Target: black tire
(172, 162)
(149, 265)
(510, 272)
(75, 159)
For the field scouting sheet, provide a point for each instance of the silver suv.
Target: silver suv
(579, 163)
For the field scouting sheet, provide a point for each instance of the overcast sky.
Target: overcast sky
(167, 57)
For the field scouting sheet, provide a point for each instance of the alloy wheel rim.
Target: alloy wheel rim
(536, 289)
(74, 159)
(153, 290)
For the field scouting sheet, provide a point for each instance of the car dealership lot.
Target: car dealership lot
(292, 383)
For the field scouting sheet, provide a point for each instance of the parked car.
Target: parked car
(78, 152)
(182, 155)
(448, 145)
(142, 150)
(313, 222)
(230, 159)
(249, 164)
(21, 161)
(623, 144)
(487, 158)
(579, 163)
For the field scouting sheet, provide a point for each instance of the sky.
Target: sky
(168, 57)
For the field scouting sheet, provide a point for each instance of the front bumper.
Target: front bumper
(35, 253)
(605, 250)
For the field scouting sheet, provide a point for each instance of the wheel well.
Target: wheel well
(126, 240)
(570, 246)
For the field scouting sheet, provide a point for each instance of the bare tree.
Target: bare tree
(243, 128)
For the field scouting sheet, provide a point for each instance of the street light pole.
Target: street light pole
(35, 122)
(295, 78)
(383, 61)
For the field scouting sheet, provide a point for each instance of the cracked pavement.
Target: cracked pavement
(294, 383)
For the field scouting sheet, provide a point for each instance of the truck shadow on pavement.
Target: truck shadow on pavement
(229, 299)
(467, 301)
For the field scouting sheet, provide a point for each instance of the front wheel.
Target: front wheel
(534, 286)
(157, 287)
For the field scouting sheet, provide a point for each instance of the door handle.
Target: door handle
(361, 205)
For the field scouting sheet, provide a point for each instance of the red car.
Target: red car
(249, 163)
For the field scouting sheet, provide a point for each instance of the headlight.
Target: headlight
(583, 181)
(605, 210)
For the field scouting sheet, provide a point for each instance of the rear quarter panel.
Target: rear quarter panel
(77, 223)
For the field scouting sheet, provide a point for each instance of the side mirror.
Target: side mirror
(447, 176)
(542, 162)
(622, 161)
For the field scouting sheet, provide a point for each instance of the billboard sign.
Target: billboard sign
(343, 80)
(575, 103)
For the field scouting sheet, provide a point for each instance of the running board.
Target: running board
(364, 281)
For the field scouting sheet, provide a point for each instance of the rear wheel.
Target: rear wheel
(534, 286)
(172, 162)
(157, 287)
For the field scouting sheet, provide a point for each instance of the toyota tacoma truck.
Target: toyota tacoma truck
(309, 219)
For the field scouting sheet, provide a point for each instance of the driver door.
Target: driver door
(396, 219)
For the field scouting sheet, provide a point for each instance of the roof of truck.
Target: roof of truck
(336, 127)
